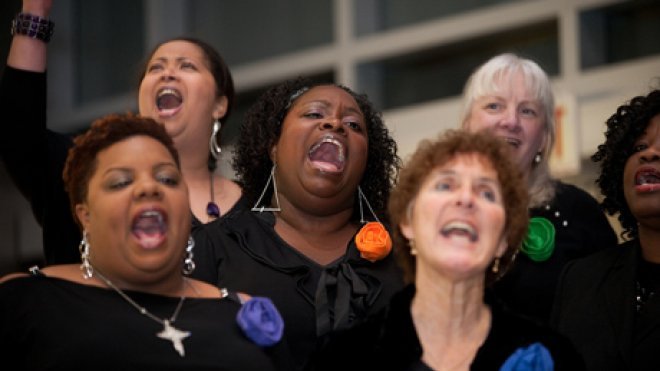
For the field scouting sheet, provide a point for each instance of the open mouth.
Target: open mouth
(513, 142)
(328, 155)
(168, 101)
(149, 228)
(647, 180)
(460, 229)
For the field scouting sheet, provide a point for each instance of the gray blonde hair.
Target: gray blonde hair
(484, 81)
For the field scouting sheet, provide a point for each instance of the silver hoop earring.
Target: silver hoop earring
(85, 267)
(537, 158)
(271, 178)
(213, 141)
(188, 262)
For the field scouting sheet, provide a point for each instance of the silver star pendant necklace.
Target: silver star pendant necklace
(169, 332)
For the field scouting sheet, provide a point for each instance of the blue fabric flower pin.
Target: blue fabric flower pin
(535, 357)
(260, 321)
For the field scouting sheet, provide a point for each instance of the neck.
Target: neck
(173, 286)
(649, 240)
(452, 307)
(451, 320)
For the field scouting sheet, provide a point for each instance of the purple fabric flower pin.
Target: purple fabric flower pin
(260, 321)
(535, 357)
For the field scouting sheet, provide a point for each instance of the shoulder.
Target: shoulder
(12, 276)
(514, 335)
(601, 260)
(571, 194)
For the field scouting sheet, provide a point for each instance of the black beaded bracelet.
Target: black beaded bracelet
(32, 26)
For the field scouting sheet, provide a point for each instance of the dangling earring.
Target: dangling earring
(85, 267)
(277, 200)
(496, 265)
(188, 262)
(213, 141)
(537, 158)
(413, 249)
(373, 240)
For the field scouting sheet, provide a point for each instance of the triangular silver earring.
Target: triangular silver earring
(277, 200)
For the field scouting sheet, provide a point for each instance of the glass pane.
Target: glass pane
(619, 32)
(245, 99)
(442, 71)
(380, 15)
(107, 56)
(249, 30)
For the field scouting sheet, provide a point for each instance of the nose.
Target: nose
(650, 154)
(465, 198)
(333, 124)
(147, 189)
(510, 120)
(168, 74)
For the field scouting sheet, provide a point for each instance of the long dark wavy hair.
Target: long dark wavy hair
(261, 130)
(623, 129)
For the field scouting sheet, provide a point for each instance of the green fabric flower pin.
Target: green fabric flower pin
(539, 244)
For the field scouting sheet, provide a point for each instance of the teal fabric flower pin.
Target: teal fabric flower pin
(539, 244)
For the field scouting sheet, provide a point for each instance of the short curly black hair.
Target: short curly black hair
(623, 129)
(104, 132)
(261, 130)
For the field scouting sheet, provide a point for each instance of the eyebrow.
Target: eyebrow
(326, 104)
(481, 179)
(125, 169)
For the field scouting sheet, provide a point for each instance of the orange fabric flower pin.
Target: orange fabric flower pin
(373, 241)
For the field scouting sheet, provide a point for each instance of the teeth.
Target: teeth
(460, 227)
(168, 91)
(152, 214)
(330, 139)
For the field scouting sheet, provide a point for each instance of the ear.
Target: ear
(407, 230)
(501, 248)
(273, 153)
(405, 225)
(82, 213)
(220, 108)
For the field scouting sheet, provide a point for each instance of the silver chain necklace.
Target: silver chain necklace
(169, 332)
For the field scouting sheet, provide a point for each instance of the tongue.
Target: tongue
(149, 232)
(326, 158)
(168, 101)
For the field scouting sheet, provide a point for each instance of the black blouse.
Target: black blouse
(244, 252)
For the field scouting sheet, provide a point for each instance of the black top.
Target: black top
(388, 341)
(596, 309)
(244, 252)
(581, 229)
(54, 324)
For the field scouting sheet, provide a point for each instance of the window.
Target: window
(442, 71)
(619, 32)
(107, 56)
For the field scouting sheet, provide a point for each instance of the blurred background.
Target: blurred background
(411, 57)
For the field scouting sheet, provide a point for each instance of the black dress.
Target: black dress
(596, 309)
(388, 341)
(581, 229)
(244, 252)
(52, 324)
